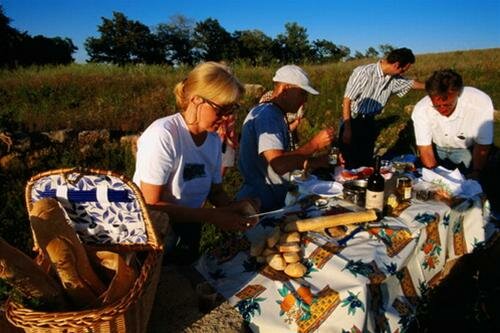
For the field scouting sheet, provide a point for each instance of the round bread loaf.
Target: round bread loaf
(295, 270)
(289, 247)
(290, 237)
(291, 257)
(276, 262)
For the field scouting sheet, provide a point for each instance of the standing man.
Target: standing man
(453, 124)
(267, 152)
(367, 91)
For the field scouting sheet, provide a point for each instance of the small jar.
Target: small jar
(333, 156)
(403, 189)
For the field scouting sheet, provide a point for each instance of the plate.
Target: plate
(326, 189)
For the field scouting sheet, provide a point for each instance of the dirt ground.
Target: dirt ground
(176, 307)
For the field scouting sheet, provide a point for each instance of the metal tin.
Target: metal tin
(355, 191)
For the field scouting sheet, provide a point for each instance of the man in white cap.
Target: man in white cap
(267, 151)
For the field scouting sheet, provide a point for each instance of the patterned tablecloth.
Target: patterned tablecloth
(370, 282)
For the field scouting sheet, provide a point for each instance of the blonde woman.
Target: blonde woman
(179, 158)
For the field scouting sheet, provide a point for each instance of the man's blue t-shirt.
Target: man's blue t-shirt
(264, 129)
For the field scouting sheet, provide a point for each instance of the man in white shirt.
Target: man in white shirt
(453, 124)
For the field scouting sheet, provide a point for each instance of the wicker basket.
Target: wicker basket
(130, 313)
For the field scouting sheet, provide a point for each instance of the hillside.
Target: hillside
(129, 98)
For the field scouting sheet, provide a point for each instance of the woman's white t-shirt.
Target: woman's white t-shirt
(167, 155)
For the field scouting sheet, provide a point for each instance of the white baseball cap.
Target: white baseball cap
(295, 75)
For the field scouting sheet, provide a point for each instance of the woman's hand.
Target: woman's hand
(235, 216)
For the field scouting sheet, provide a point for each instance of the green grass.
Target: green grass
(129, 98)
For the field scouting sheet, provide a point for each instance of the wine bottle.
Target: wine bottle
(375, 190)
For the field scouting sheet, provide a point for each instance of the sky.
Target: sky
(425, 26)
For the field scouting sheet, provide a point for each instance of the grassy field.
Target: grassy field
(130, 98)
(102, 96)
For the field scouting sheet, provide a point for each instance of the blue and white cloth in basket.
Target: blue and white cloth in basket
(102, 209)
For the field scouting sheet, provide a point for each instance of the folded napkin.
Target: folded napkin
(452, 181)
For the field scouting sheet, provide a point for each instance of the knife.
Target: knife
(276, 211)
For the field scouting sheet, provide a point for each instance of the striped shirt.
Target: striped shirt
(369, 89)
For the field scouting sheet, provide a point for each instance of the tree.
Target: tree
(11, 40)
(20, 49)
(293, 46)
(40, 50)
(253, 46)
(213, 41)
(326, 51)
(176, 40)
(385, 49)
(371, 53)
(358, 55)
(124, 41)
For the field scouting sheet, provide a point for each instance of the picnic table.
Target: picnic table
(369, 279)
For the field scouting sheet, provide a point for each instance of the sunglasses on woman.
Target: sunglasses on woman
(222, 110)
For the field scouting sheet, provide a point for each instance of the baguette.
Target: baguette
(49, 223)
(123, 276)
(64, 259)
(22, 273)
(323, 222)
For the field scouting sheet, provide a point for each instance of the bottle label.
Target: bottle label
(374, 200)
(407, 193)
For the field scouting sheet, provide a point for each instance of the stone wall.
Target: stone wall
(24, 149)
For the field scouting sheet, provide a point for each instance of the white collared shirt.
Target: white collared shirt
(471, 122)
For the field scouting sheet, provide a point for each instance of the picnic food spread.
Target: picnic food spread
(282, 250)
(359, 269)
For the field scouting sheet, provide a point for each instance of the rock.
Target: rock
(21, 142)
(34, 156)
(409, 109)
(85, 150)
(11, 161)
(5, 142)
(59, 136)
(131, 142)
(254, 90)
(92, 137)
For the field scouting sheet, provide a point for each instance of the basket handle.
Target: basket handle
(80, 171)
